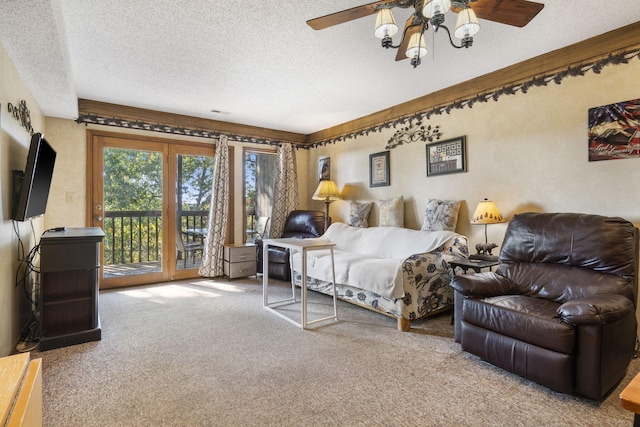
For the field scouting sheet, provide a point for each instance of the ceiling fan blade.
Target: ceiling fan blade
(345, 15)
(401, 54)
(511, 12)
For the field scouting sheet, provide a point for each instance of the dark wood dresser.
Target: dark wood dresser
(69, 267)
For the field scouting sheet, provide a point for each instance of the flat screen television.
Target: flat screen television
(32, 192)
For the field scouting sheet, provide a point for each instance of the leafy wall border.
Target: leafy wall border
(173, 130)
(417, 118)
(544, 80)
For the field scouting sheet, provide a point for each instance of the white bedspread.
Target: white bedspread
(370, 258)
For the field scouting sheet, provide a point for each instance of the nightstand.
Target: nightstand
(239, 260)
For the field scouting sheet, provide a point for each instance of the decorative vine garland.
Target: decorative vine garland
(408, 134)
(22, 115)
(558, 77)
(174, 130)
(414, 133)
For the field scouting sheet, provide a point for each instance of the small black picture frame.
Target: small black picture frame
(446, 157)
(379, 175)
(324, 169)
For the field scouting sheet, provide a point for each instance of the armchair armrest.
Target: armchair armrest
(482, 285)
(596, 309)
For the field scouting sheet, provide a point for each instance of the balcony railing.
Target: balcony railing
(136, 236)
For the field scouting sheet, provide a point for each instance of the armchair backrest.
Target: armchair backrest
(304, 224)
(563, 256)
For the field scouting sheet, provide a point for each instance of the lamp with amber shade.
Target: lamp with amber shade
(486, 213)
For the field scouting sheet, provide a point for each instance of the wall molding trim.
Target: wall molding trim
(592, 55)
(100, 113)
(612, 48)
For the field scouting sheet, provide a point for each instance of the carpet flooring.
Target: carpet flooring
(205, 353)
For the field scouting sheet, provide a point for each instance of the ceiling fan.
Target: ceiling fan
(432, 13)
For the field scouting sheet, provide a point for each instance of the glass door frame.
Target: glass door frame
(245, 151)
(174, 151)
(96, 141)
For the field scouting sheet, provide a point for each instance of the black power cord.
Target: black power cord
(29, 336)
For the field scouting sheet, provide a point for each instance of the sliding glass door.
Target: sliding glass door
(151, 198)
(193, 183)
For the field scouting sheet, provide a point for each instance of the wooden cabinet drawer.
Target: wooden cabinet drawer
(240, 253)
(239, 269)
(239, 260)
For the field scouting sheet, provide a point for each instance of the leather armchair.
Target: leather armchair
(301, 224)
(560, 309)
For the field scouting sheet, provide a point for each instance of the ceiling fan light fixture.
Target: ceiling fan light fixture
(385, 24)
(433, 8)
(467, 24)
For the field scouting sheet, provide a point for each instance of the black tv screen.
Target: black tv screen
(34, 190)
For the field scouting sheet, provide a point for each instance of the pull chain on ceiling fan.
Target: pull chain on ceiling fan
(432, 13)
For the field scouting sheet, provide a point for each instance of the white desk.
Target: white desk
(303, 246)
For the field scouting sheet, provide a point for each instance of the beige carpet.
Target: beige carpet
(205, 353)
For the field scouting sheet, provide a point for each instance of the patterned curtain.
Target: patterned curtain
(285, 195)
(213, 253)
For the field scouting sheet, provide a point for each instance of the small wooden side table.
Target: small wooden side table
(465, 264)
(630, 399)
(474, 264)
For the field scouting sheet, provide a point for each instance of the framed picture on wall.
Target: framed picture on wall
(614, 131)
(379, 169)
(324, 169)
(448, 156)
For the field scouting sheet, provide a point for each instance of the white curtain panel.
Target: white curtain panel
(285, 197)
(213, 253)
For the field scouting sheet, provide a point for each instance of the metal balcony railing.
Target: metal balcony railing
(136, 236)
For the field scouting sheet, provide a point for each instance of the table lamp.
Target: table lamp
(327, 191)
(486, 213)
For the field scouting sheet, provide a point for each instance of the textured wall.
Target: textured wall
(14, 145)
(526, 152)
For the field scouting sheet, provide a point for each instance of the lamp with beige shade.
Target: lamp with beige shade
(327, 191)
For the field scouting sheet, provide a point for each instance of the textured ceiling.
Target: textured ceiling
(258, 63)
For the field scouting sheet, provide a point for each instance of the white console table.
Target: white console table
(303, 246)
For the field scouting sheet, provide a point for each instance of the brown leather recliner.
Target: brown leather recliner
(561, 308)
(300, 224)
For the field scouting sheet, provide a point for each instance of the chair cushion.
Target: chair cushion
(304, 224)
(278, 255)
(532, 320)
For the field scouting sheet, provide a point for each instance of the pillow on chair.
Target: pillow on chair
(359, 214)
(391, 212)
(441, 215)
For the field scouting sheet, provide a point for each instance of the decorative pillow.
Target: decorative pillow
(441, 215)
(359, 214)
(391, 212)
